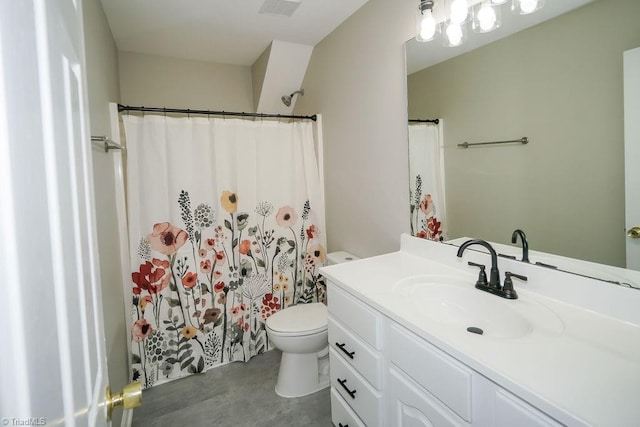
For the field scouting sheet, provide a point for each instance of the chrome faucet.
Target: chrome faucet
(493, 286)
(525, 244)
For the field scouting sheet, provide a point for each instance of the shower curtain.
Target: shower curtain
(226, 227)
(426, 186)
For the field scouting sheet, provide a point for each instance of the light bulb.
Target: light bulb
(427, 26)
(524, 7)
(454, 34)
(528, 6)
(486, 17)
(458, 11)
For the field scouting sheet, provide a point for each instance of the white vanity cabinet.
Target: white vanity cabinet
(436, 387)
(510, 411)
(355, 341)
(430, 388)
(382, 374)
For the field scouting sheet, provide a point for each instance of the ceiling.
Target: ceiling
(423, 55)
(220, 31)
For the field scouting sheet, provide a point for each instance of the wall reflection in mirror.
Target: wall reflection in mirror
(560, 84)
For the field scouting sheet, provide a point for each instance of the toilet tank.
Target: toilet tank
(340, 257)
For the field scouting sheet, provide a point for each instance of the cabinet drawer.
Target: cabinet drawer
(512, 411)
(356, 353)
(365, 401)
(412, 406)
(361, 319)
(440, 374)
(341, 413)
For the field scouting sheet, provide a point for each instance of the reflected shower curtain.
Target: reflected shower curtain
(226, 227)
(426, 185)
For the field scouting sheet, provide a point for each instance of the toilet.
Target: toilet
(300, 332)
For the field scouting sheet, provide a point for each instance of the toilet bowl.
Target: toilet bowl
(300, 332)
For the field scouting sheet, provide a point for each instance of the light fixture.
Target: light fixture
(451, 17)
(486, 17)
(426, 25)
(458, 11)
(454, 34)
(525, 7)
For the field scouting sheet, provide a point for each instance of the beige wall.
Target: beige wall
(560, 84)
(356, 79)
(258, 72)
(155, 81)
(102, 78)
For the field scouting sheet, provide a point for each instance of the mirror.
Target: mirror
(559, 84)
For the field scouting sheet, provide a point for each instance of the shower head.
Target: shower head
(286, 100)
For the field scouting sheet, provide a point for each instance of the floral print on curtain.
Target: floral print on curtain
(427, 207)
(204, 288)
(424, 221)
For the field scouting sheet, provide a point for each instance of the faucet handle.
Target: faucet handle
(507, 289)
(482, 276)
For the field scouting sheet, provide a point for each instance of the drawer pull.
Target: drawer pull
(343, 383)
(348, 353)
(343, 425)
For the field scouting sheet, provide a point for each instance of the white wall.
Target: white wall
(356, 78)
(102, 78)
(156, 81)
(258, 72)
(285, 71)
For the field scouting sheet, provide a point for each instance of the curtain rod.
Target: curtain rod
(122, 108)
(436, 121)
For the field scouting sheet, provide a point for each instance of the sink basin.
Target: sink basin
(455, 303)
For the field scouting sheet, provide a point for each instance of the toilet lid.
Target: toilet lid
(299, 318)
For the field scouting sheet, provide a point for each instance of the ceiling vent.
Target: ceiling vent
(280, 7)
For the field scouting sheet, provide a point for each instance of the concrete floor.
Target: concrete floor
(238, 394)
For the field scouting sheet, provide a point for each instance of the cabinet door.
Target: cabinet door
(435, 371)
(511, 411)
(413, 407)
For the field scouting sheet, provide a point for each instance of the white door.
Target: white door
(52, 356)
(632, 155)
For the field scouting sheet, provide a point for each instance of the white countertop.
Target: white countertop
(578, 365)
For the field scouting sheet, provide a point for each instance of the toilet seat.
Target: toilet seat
(299, 320)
